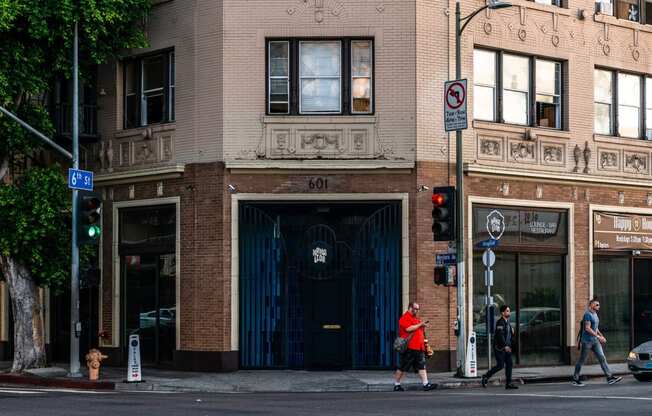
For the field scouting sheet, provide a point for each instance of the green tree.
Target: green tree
(36, 39)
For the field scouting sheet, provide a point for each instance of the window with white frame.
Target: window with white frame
(632, 10)
(622, 104)
(149, 90)
(309, 76)
(517, 89)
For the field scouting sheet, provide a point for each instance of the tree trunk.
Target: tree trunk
(29, 343)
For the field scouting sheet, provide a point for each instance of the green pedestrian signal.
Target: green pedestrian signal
(89, 226)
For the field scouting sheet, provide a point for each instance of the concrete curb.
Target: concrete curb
(68, 383)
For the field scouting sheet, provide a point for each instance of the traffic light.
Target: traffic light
(443, 213)
(89, 226)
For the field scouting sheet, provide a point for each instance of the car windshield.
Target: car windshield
(527, 316)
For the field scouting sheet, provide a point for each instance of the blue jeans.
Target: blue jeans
(599, 354)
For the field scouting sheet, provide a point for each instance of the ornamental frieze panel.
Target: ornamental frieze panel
(140, 148)
(491, 147)
(608, 160)
(636, 162)
(522, 151)
(553, 154)
(312, 138)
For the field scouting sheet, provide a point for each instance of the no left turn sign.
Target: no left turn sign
(455, 115)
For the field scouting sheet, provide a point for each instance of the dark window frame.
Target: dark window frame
(294, 92)
(532, 90)
(169, 85)
(642, 116)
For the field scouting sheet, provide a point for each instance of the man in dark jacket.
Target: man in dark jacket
(503, 341)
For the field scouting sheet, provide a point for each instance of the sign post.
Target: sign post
(488, 259)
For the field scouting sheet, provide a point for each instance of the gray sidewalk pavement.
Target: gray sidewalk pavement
(260, 381)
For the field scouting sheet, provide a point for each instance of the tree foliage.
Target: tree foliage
(36, 41)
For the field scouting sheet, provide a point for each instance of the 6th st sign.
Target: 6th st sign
(455, 116)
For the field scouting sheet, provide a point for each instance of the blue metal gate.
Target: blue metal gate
(377, 289)
(277, 262)
(262, 263)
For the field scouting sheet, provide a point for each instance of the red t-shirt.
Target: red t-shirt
(406, 321)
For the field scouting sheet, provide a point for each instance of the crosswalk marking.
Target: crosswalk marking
(556, 396)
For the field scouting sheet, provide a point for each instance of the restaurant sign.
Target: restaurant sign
(622, 231)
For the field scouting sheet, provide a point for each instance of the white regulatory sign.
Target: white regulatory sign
(455, 116)
(134, 373)
(488, 258)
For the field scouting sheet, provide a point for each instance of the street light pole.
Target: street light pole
(459, 207)
(459, 184)
(74, 279)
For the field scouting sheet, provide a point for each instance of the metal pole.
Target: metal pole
(459, 160)
(489, 310)
(36, 132)
(74, 280)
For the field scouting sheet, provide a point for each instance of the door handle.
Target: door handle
(331, 326)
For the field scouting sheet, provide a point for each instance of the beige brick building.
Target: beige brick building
(263, 165)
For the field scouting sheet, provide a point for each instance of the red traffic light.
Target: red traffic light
(439, 199)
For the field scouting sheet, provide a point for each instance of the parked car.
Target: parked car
(639, 362)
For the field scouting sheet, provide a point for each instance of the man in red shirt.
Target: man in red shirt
(414, 356)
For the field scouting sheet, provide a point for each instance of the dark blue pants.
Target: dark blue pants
(503, 360)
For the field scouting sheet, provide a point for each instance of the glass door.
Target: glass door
(150, 304)
(642, 301)
(611, 285)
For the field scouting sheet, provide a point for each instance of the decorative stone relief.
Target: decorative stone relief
(159, 188)
(322, 141)
(145, 152)
(125, 153)
(301, 138)
(490, 148)
(166, 148)
(539, 192)
(522, 152)
(577, 154)
(587, 156)
(553, 154)
(321, 8)
(636, 163)
(608, 160)
(148, 146)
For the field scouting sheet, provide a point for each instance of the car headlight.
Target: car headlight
(632, 356)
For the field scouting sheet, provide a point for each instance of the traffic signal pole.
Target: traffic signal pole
(75, 325)
(459, 232)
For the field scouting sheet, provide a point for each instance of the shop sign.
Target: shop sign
(622, 231)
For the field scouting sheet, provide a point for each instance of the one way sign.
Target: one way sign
(455, 116)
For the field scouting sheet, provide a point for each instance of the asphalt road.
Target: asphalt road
(626, 398)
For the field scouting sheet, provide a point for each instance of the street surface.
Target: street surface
(597, 398)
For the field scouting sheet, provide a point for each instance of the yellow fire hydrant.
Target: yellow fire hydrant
(93, 359)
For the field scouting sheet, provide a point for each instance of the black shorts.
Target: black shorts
(412, 359)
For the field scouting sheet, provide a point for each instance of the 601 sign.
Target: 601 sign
(318, 184)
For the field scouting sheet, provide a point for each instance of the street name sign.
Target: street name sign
(455, 114)
(80, 179)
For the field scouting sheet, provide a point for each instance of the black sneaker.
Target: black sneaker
(511, 386)
(484, 381)
(577, 382)
(398, 387)
(428, 387)
(614, 379)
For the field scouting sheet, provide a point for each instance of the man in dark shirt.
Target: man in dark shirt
(504, 335)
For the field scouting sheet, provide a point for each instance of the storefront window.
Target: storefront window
(532, 284)
(611, 283)
(150, 228)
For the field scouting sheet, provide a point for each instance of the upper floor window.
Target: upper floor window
(320, 76)
(628, 111)
(149, 90)
(549, 2)
(632, 10)
(517, 89)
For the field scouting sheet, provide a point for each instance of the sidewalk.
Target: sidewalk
(284, 380)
